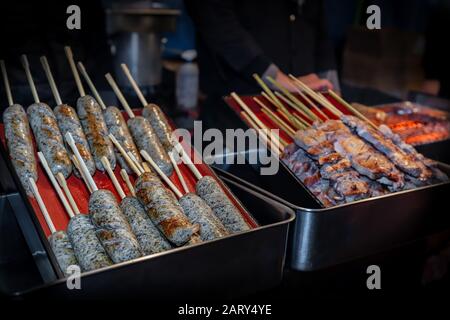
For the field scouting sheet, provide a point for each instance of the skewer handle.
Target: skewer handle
(83, 176)
(63, 183)
(136, 162)
(161, 174)
(124, 154)
(113, 177)
(69, 56)
(26, 66)
(55, 184)
(119, 95)
(91, 85)
(42, 206)
(6, 82)
(188, 161)
(134, 84)
(81, 163)
(178, 172)
(51, 80)
(126, 178)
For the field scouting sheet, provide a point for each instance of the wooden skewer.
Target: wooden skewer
(146, 167)
(76, 76)
(178, 172)
(260, 133)
(351, 108)
(275, 118)
(287, 114)
(85, 180)
(306, 125)
(134, 84)
(126, 178)
(298, 104)
(42, 206)
(316, 96)
(187, 161)
(113, 177)
(26, 66)
(293, 121)
(161, 174)
(136, 162)
(253, 116)
(119, 95)
(295, 108)
(91, 85)
(269, 92)
(81, 163)
(330, 106)
(124, 154)
(55, 185)
(6, 82)
(63, 183)
(51, 80)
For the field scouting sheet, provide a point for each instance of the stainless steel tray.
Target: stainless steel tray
(233, 266)
(323, 237)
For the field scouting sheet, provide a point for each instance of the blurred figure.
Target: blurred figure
(437, 51)
(236, 39)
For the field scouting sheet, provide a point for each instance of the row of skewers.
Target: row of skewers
(340, 158)
(154, 217)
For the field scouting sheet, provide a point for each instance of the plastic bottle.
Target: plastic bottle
(187, 81)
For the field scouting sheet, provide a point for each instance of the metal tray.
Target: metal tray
(323, 237)
(233, 266)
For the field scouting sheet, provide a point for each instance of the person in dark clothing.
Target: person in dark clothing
(436, 62)
(236, 39)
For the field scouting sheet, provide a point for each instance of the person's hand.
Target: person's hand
(311, 80)
(431, 87)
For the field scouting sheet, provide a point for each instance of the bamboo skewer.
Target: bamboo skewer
(26, 66)
(261, 134)
(155, 167)
(178, 172)
(133, 83)
(295, 101)
(125, 155)
(6, 82)
(51, 80)
(275, 118)
(330, 106)
(42, 206)
(187, 161)
(83, 177)
(351, 108)
(299, 110)
(145, 167)
(119, 95)
(269, 92)
(63, 183)
(55, 184)
(91, 85)
(81, 163)
(113, 177)
(76, 76)
(284, 111)
(126, 178)
(250, 113)
(136, 162)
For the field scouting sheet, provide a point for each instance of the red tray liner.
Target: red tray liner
(248, 100)
(81, 194)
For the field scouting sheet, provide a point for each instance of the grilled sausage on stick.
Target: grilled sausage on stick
(143, 133)
(68, 120)
(92, 120)
(110, 224)
(46, 131)
(18, 138)
(115, 122)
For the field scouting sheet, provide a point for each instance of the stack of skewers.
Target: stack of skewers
(91, 140)
(336, 152)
